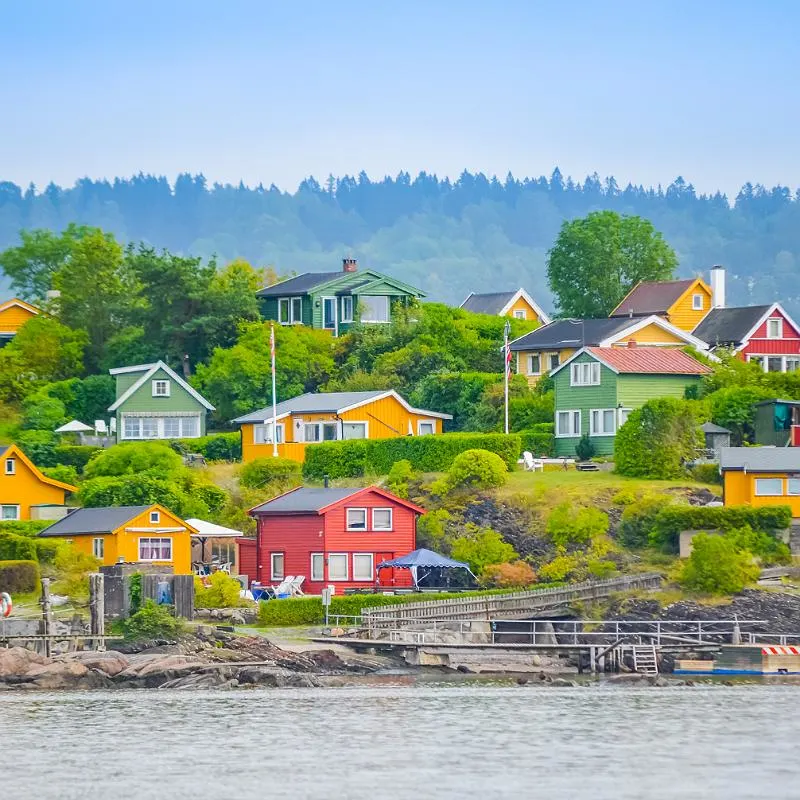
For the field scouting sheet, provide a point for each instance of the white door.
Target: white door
(330, 320)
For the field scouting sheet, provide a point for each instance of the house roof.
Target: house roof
(710, 427)
(94, 520)
(649, 360)
(769, 403)
(760, 459)
(729, 325)
(563, 333)
(300, 284)
(304, 500)
(651, 297)
(13, 449)
(212, 530)
(15, 301)
(329, 403)
(148, 370)
(492, 303)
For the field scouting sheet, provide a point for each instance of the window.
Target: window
(356, 519)
(9, 512)
(149, 428)
(624, 413)
(172, 427)
(756, 360)
(11, 466)
(601, 422)
(152, 549)
(697, 302)
(347, 309)
(775, 328)
(337, 567)
(223, 552)
(190, 427)
(554, 360)
(519, 313)
(321, 432)
(329, 321)
(774, 364)
(792, 364)
(362, 566)
(155, 517)
(317, 567)
(568, 423)
(534, 364)
(793, 486)
(160, 388)
(284, 311)
(426, 427)
(381, 519)
(99, 548)
(262, 434)
(374, 309)
(586, 373)
(354, 430)
(769, 487)
(276, 566)
(297, 310)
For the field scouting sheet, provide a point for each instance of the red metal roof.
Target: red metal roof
(653, 360)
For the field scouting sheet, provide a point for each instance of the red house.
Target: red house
(330, 536)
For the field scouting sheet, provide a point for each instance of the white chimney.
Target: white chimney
(717, 286)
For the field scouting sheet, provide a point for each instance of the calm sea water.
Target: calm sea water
(465, 741)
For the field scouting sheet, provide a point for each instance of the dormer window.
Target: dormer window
(697, 302)
(775, 328)
(11, 466)
(160, 388)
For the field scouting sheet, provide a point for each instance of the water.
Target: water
(464, 741)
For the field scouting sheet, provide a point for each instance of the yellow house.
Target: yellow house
(539, 352)
(761, 476)
(517, 304)
(682, 303)
(25, 493)
(14, 314)
(129, 534)
(331, 416)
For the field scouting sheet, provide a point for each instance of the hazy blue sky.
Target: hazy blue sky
(274, 91)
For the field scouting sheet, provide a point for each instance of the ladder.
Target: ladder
(645, 661)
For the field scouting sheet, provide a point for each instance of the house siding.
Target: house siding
(651, 335)
(682, 315)
(13, 318)
(25, 489)
(522, 362)
(739, 489)
(521, 304)
(635, 390)
(294, 536)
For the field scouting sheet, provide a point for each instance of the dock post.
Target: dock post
(592, 659)
(97, 613)
(47, 617)
(601, 663)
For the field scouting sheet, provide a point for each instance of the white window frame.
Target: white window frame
(623, 412)
(601, 412)
(11, 466)
(347, 308)
(274, 574)
(421, 422)
(582, 369)
(317, 576)
(697, 302)
(296, 319)
(792, 487)
(770, 493)
(571, 412)
(284, 310)
(335, 305)
(786, 361)
(779, 323)
(550, 357)
(519, 313)
(99, 548)
(262, 434)
(155, 517)
(391, 519)
(161, 539)
(350, 526)
(388, 309)
(4, 506)
(529, 359)
(344, 422)
(371, 557)
(320, 431)
(161, 383)
(178, 426)
(346, 561)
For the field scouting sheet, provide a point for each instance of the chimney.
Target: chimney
(631, 343)
(717, 286)
(349, 265)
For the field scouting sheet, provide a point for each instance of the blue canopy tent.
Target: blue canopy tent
(425, 560)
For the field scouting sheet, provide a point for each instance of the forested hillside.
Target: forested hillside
(449, 238)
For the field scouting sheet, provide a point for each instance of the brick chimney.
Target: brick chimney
(349, 265)
(631, 343)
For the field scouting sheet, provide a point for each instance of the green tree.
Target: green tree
(598, 259)
(481, 547)
(734, 408)
(136, 490)
(136, 458)
(477, 469)
(717, 567)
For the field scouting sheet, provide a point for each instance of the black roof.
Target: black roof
(302, 501)
(570, 333)
(94, 520)
(300, 284)
(492, 303)
(729, 325)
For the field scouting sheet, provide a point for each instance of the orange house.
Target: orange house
(517, 304)
(332, 416)
(14, 314)
(761, 476)
(25, 493)
(682, 303)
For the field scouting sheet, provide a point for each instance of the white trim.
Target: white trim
(148, 375)
(288, 303)
(779, 322)
(580, 352)
(335, 299)
(9, 505)
(695, 296)
(102, 542)
(391, 519)
(175, 529)
(384, 395)
(155, 517)
(763, 357)
(426, 422)
(347, 519)
(528, 356)
(767, 314)
(520, 313)
(466, 299)
(346, 567)
(160, 420)
(620, 411)
(643, 322)
(591, 382)
(580, 423)
(344, 422)
(521, 293)
(15, 301)
(601, 412)
(314, 578)
(351, 317)
(156, 382)
(371, 557)
(768, 494)
(149, 560)
(10, 462)
(272, 574)
(280, 433)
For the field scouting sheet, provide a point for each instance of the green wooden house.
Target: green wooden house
(598, 387)
(154, 402)
(334, 301)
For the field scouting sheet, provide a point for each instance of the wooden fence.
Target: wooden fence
(509, 605)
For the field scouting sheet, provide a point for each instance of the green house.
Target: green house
(154, 402)
(334, 301)
(598, 387)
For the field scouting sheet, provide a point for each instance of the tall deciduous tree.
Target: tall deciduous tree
(598, 259)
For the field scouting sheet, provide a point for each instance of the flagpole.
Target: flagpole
(274, 398)
(507, 367)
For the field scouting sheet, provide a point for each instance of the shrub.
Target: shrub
(75, 455)
(600, 569)
(399, 476)
(585, 448)
(24, 527)
(560, 568)
(717, 567)
(477, 469)
(354, 458)
(638, 520)
(214, 447)
(73, 568)
(152, 621)
(706, 473)
(539, 443)
(19, 577)
(135, 458)
(222, 593)
(624, 497)
(481, 547)
(63, 473)
(211, 495)
(43, 413)
(48, 549)
(277, 472)
(133, 490)
(39, 446)
(511, 575)
(766, 548)
(565, 526)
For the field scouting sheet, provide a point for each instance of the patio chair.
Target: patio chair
(295, 589)
(532, 464)
(284, 587)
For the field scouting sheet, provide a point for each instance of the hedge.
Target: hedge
(214, 447)
(24, 527)
(74, 455)
(19, 576)
(354, 458)
(538, 443)
(14, 547)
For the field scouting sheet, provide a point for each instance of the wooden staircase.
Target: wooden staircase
(645, 661)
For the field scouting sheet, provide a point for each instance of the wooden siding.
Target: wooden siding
(246, 549)
(740, 489)
(759, 344)
(521, 304)
(269, 308)
(13, 318)
(25, 488)
(179, 399)
(294, 536)
(649, 335)
(635, 390)
(682, 315)
(522, 363)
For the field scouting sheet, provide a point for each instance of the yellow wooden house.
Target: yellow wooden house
(25, 493)
(682, 303)
(14, 314)
(761, 476)
(128, 534)
(517, 304)
(539, 352)
(333, 416)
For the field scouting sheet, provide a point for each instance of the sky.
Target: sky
(272, 92)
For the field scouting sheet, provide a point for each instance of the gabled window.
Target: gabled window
(585, 373)
(381, 519)
(11, 466)
(697, 302)
(161, 388)
(155, 517)
(775, 328)
(519, 313)
(356, 519)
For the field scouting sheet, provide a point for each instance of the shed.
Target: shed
(775, 420)
(715, 436)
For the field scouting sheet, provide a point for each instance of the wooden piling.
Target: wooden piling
(47, 617)
(97, 614)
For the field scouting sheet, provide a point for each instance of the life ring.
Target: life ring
(5, 604)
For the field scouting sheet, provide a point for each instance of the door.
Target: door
(386, 575)
(330, 320)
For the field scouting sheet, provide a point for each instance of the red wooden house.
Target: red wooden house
(330, 536)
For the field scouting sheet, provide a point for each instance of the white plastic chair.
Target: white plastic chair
(284, 587)
(532, 464)
(295, 589)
